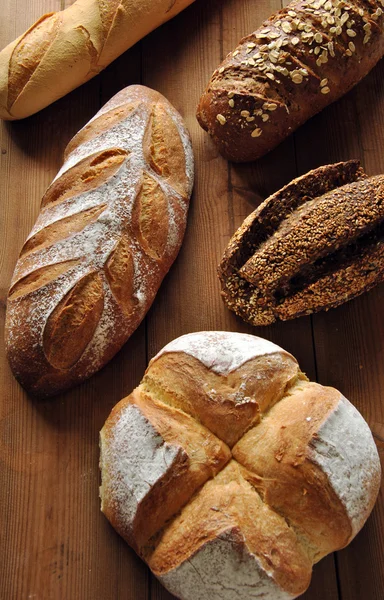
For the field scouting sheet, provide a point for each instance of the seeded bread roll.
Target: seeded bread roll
(231, 474)
(62, 50)
(311, 246)
(302, 59)
(110, 226)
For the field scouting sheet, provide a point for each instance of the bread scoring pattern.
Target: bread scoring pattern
(110, 226)
(311, 246)
(304, 57)
(287, 473)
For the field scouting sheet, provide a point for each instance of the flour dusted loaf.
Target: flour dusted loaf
(110, 226)
(231, 474)
(62, 50)
(304, 57)
(311, 246)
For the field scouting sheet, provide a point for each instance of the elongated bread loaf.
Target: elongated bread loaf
(231, 474)
(313, 245)
(110, 226)
(303, 58)
(62, 50)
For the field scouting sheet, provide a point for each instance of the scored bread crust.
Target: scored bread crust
(110, 226)
(314, 244)
(62, 50)
(268, 495)
(302, 59)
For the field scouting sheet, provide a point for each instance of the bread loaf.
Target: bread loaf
(311, 246)
(303, 58)
(231, 474)
(110, 226)
(62, 50)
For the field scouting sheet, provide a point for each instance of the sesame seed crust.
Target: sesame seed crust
(284, 64)
(313, 245)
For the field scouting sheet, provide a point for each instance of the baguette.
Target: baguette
(110, 226)
(313, 245)
(62, 50)
(304, 57)
(230, 473)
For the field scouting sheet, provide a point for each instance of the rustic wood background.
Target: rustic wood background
(54, 542)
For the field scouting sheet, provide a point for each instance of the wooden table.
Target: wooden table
(54, 542)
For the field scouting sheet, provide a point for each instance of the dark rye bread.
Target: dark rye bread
(311, 246)
(302, 59)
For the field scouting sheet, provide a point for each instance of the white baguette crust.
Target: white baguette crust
(65, 49)
(89, 249)
(222, 571)
(210, 549)
(345, 452)
(222, 352)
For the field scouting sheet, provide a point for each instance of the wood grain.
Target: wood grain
(54, 542)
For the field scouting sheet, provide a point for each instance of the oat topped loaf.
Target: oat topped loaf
(311, 246)
(110, 226)
(231, 474)
(303, 58)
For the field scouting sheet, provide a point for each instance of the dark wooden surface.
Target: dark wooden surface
(54, 542)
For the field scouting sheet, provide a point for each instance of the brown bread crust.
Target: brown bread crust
(313, 245)
(110, 226)
(299, 61)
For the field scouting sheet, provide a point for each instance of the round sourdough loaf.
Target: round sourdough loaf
(231, 474)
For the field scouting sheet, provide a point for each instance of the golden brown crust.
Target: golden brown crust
(201, 456)
(186, 384)
(313, 245)
(304, 57)
(65, 49)
(237, 506)
(29, 51)
(86, 175)
(108, 231)
(72, 324)
(276, 452)
(249, 519)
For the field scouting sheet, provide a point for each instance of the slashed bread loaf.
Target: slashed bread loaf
(110, 226)
(311, 246)
(304, 57)
(62, 50)
(230, 473)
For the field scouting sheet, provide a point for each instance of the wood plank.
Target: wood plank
(190, 293)
(54, 542)
(189, 299)
(251, 183)
(348, 340)
(266, 176)
(223, 196)
(129, 573)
